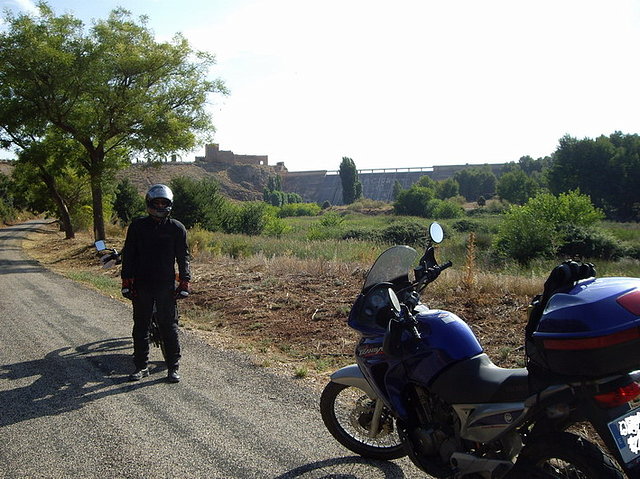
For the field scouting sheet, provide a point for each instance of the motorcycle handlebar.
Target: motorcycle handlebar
(446, 265)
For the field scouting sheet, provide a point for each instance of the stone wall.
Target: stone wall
(216, 159)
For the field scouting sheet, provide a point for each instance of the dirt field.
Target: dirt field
(291, 315)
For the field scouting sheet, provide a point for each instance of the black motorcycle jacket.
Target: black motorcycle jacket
(152, 248)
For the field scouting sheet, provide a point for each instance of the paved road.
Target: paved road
(67, 410)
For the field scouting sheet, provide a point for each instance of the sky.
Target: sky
(403, 83)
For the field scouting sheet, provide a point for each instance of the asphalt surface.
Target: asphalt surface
(67, 409)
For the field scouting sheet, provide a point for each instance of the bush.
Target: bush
(588, 243)
(361, 234)
(299, 209)
(414, 201)
(249, 218)
(465, 226)
(409, 233)
(539, 227)
(441, 210)
(331, 219)
(275, 227)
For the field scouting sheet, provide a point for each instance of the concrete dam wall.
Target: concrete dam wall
(320, 186)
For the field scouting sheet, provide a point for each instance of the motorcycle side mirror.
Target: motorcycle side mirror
(395, 302)
(436, 232)
(100, 245)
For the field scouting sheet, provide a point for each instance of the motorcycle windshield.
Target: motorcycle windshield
(394, 263)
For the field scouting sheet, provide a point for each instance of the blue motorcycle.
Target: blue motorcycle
(424, 387)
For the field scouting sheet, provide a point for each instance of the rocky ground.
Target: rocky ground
(291, 315)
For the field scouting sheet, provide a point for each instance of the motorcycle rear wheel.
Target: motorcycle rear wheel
(564, 455)
(347, 413)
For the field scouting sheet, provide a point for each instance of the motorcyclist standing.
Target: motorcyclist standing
(153, 245)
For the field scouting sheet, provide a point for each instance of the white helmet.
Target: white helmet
(162, 192)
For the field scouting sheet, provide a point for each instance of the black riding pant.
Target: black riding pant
(162, 294)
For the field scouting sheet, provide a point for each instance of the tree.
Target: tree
(607, 169)
(351, 187)
(516, 187)
(127, 203)
(447, 188)
(198, 202)
(414, 201)
(397, 188)
(112, 89)
(475, 182)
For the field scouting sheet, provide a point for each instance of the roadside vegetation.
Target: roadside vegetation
(505, 230)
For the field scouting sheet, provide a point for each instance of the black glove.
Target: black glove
(128, 291)
(183, 289)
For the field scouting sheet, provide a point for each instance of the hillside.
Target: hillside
(238, 182)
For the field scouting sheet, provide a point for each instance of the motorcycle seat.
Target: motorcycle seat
(478, 380)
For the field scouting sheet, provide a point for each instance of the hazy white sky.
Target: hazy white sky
(405, 83)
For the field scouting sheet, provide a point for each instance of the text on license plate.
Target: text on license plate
(626, 433)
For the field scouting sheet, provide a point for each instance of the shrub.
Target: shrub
(414, 201)
(465, 226)
(275, 227)
(361, 234)
(249, 218)
(237, 248)
(587, 242)
(331, 219)
(445, 210)
(299, 209)
(404, 233)
(536, 229)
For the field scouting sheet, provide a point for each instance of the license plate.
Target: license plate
(626, 432)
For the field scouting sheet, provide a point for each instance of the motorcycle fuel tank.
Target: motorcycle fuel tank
(445, 339)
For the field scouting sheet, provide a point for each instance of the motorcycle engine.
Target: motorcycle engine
(434, 436)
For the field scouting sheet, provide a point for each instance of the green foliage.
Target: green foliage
(448, 188)
(475, 182)
(536, 229)
(607, 169)
(441, 210)
(397, 188)
(250, 218)
(414, 201)
(274, 195)
(112, 89)
(198, 202)
(426, 182)
(299, 209)
(516, 187)
(331, 219)
(589, 242)
(275, 227)
(351, 187)
(399, 232)
(127, 203)
(405, 232)
(7, 210)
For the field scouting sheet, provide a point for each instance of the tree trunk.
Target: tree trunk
(98, 213)
(65, 218)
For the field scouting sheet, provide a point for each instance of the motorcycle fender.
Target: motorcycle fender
(352, 376)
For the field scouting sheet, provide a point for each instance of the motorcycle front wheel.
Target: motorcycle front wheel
(350, 415)
(564, 455)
